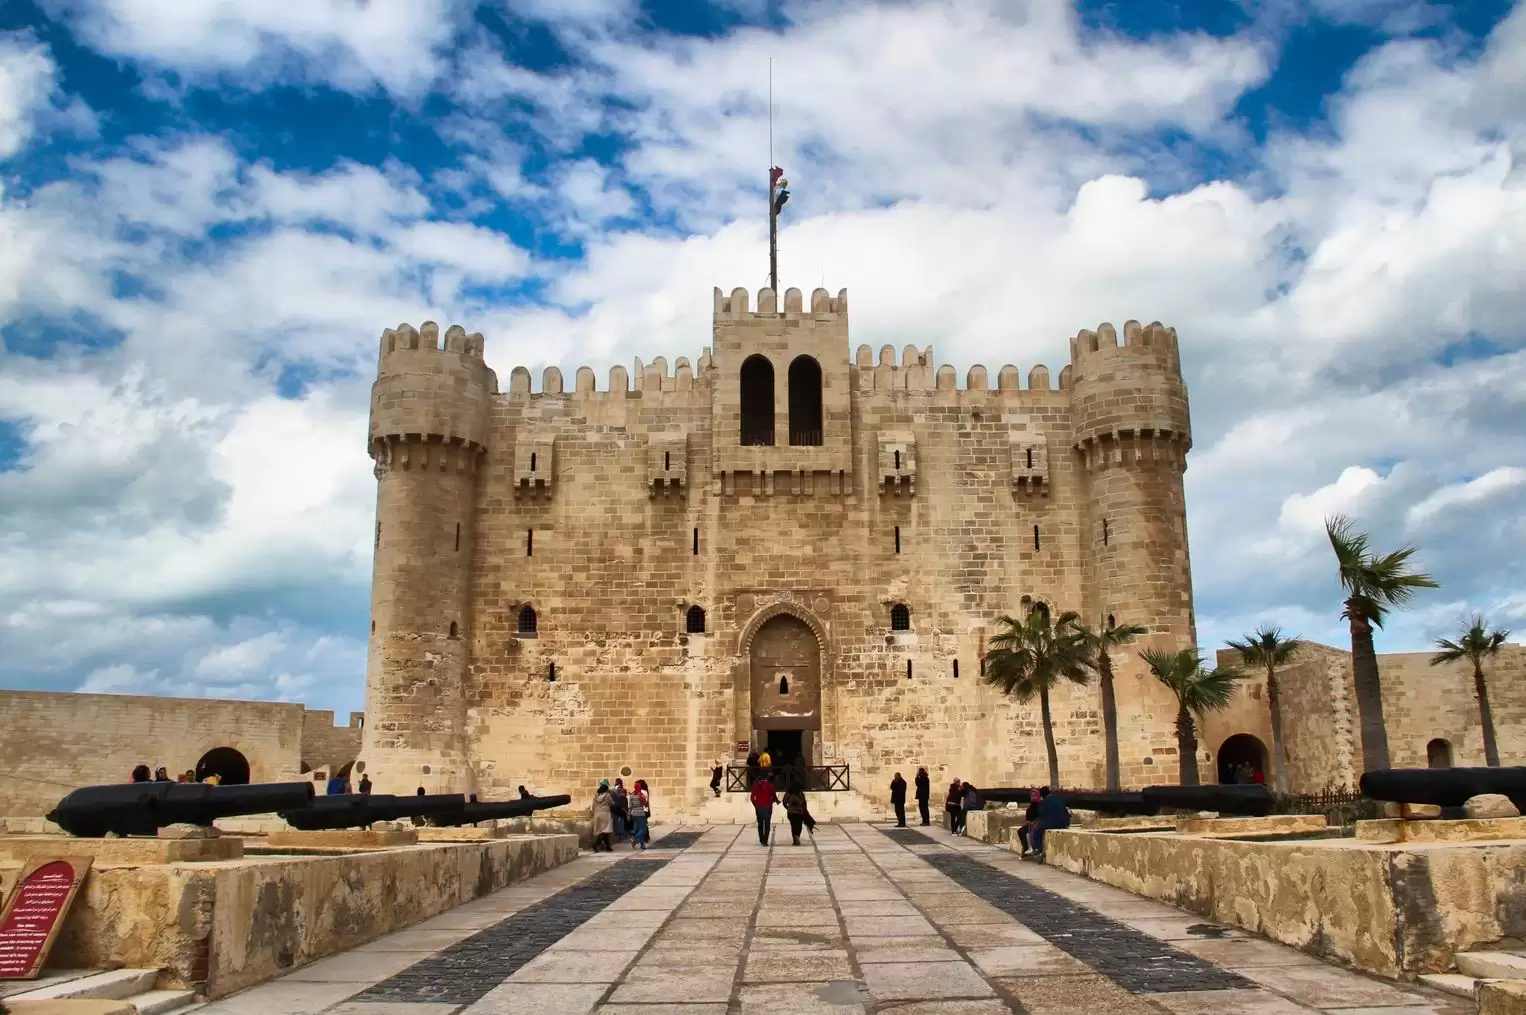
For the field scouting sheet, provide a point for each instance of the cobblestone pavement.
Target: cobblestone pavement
(861, 920)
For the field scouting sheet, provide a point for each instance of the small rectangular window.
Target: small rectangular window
(908, 669)
(530, 542)
(1105, 532)
(1030, 458)
(956, 669)
(1035, 537)
(378, 535)
(458, 536)
(696, 542)
(667, 461)
(897, 539)
(898, 461)
(551, 673)
(532, 461)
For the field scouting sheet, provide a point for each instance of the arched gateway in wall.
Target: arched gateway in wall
(785, 660)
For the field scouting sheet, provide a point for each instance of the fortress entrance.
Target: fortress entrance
(785, 661)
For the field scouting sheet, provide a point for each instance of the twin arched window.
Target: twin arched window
(757, 402)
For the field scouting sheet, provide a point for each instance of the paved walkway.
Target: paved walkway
(864, 919)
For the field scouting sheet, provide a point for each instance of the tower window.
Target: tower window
(805, 402)
(696, 542)
(956, 669)
(908, 669)
(1111, 623)
(757, 380)
(897, 539)
(1035, 537)
(784, 685)
(453, 630)
(667, 461)
(1030, 457)
(551, 673)
(373, 627)
(900, 617)
(1106, 532)
(378, 536)
(530, 542)
(694, 620)
(458, 537)
(528, 622)
(532, 461)
(898, 461)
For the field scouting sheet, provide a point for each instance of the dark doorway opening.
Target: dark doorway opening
(785, 747)
(1242, 759)
(230, 767)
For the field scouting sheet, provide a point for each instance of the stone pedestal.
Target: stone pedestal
(1272, 824)
(1128, 824)
(342, 838)
(120, 851)
(1465, 830)
(470, 833)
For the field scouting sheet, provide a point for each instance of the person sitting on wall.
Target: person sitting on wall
(524, 794)
(337, 785)
(1029, 818)
(1052, 814)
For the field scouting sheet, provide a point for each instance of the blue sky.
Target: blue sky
(208, 213)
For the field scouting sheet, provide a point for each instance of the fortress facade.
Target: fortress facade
(779, 545)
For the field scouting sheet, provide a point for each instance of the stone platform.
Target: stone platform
(132, 851)
(223, 925)
(341, 838)
(468, 833)
(858, 919)
(1398, 910)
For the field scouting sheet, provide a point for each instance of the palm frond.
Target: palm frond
(1475, 643)
(1267, 647)
(1211, 690)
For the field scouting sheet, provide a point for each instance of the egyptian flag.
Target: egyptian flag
(780, 186)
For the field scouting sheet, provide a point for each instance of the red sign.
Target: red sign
(743, 745)
(35, 912)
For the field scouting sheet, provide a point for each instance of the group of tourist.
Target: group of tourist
(764, 785)
(618, 812)
(142, 773)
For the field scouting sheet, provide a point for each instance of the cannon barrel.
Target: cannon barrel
(142, 808)
(1110, 803)
(473, 812)
(354, 810)
(1005, 795)
(1444, 787)
(1244, 801)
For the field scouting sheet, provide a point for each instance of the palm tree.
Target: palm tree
(1098, 643)
(1198, 691)
(1475, 644)
(1027, 658)
(1268, 649)
(1374, 585)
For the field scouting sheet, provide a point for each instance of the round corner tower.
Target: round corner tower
(430, 417)
(1132, 432)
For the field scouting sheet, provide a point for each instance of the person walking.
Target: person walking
(794, 808)
(953, 804)
(716, 772)
(924, 793)
(603, 819)
(639, 806)
(763, 800)
(898, 799)
(619, 807)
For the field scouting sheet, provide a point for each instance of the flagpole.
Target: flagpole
(773, 211)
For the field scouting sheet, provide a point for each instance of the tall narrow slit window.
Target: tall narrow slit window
(667, 461)
(378, 536)
(696, 542)
(530, 542)
(1030, 457)
(1035, 537)
(804, 402)
(908, 669)
(458, 537)
(897, 539)
(1106, 532)
(956, 669)
(757, 380)
(551, 673)
(900, 617)
(532, 461)
(898, 461)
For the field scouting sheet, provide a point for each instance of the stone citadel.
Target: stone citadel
(776, 546)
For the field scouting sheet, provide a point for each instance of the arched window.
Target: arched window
(527, 620)
(1042, 609)
(757, 402)
(805, 402)
(784, 685)
(900, 617)
(453, 629)
(1438, 754)
(694, 620)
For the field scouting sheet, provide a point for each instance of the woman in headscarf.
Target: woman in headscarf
(954, 805)
(603, 821)
(639, 804)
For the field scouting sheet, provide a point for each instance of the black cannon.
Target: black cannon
(472, 812)
(142, 808)
(357, 810)
(1241, 801)
(1080, 800)
(1445, 787)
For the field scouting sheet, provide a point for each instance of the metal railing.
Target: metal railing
(805, 438)
(819, 778)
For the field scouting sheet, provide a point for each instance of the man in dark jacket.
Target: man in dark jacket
(1052, 814)
(898, 799)
(1029, 818)
(924, 792)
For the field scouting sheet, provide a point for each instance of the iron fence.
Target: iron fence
(818, 778)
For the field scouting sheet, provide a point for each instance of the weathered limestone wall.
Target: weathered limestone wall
(1422, 702)
(611, 513)
(1432, 900)
(329, 747)
(54, 742)
(227, 925)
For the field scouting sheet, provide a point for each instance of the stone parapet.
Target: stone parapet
(21, 848)
(1386, 830)
(342, 838)
(220, 927)
(1272, 824)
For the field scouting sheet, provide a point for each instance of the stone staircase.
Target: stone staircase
(1474, 969)
(845, 806)
(132, 986)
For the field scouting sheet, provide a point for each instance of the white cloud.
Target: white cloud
(1471, 494)
(26, 82)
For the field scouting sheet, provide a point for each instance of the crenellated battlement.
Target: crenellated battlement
(1095, 350)
(654, 376)
(426, 338)
(735, 305)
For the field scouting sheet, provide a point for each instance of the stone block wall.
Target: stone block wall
(326, 746)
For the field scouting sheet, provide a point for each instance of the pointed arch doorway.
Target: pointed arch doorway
(784, 660)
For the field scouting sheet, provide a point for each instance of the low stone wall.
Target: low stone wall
(563, 821)
(1394, 910)
(224, 926)
(995, 826)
